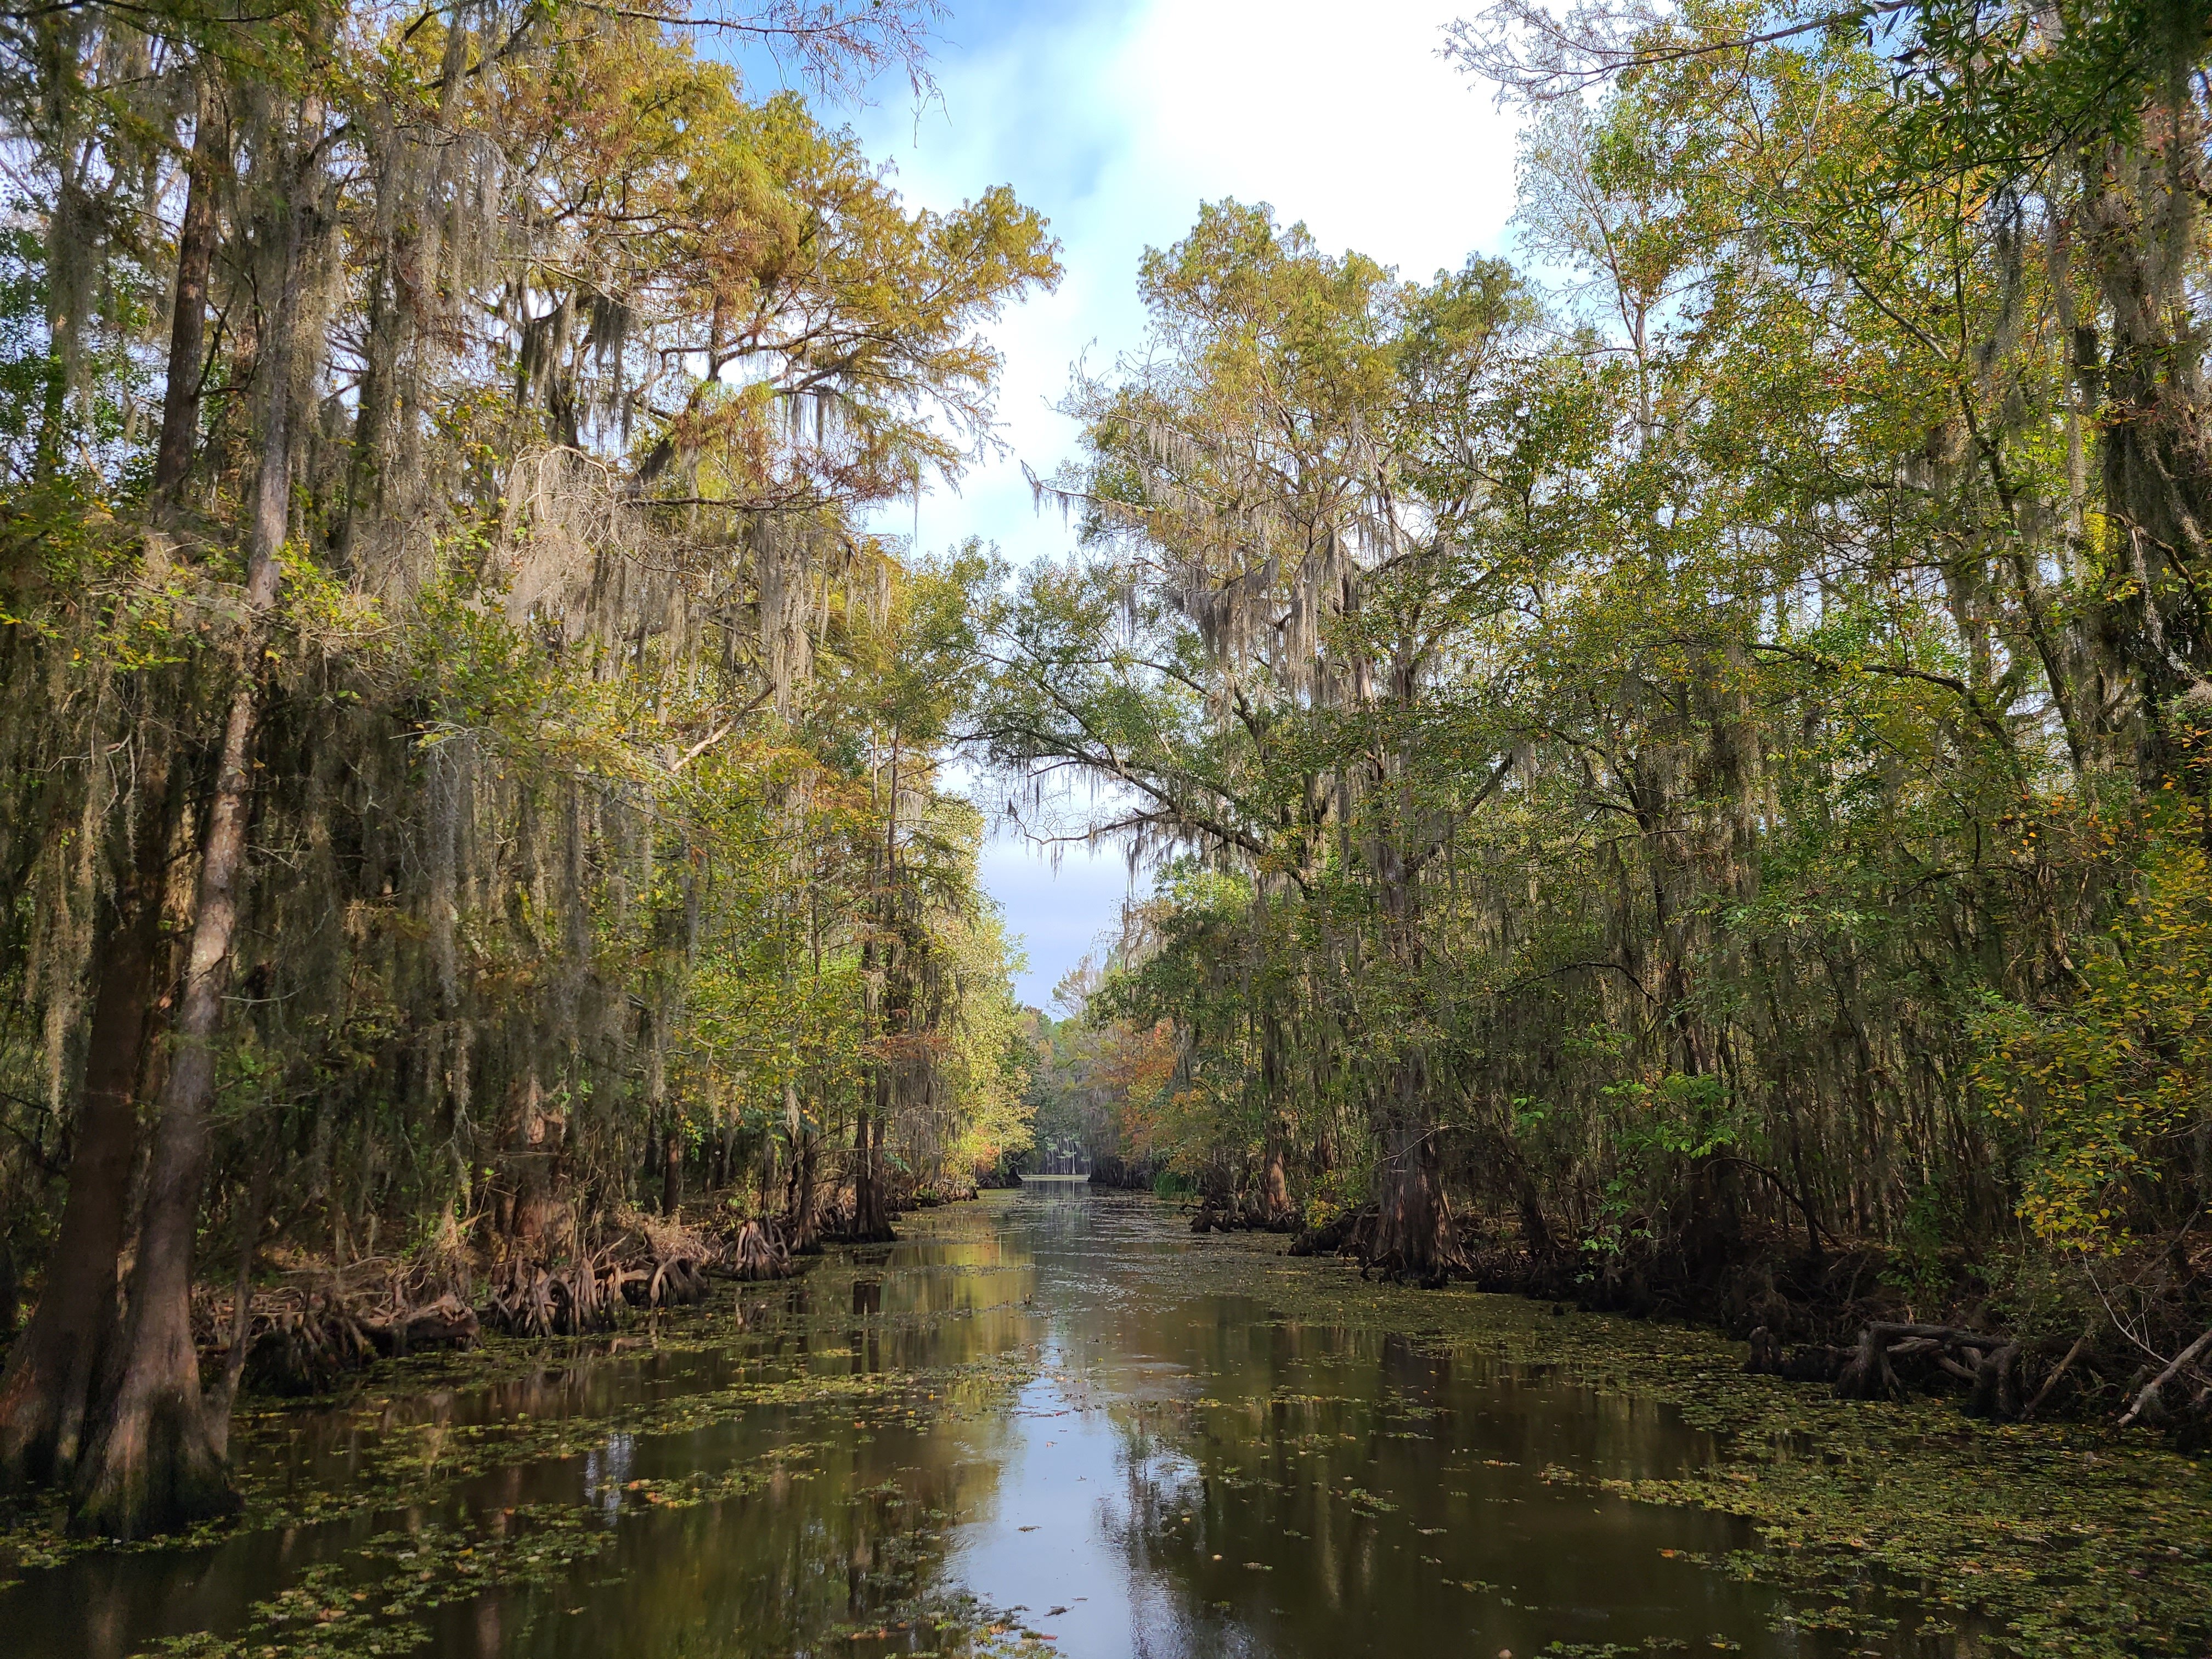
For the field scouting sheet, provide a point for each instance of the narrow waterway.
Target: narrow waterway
(1050, 1421)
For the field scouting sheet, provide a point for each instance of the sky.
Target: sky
(1117, 119)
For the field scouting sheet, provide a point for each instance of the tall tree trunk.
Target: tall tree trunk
(153, 1465)
(156, 1463)
(889, 1003)
(1275, 1206)
(877, 1222)
(667, 1139)
(1535, 1232)
(45, 1393)
(872, 1221)
(805, 1222)
(864, 1175)
(1414, 1239)
(180, 396)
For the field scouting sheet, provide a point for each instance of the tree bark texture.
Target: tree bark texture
(196, 239)
(1413, 1239)
(46, 1392)
(156, 1463)
(1275, 1207)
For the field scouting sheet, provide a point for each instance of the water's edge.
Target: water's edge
(1054, 1414)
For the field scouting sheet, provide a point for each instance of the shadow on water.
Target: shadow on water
(1047, 1403)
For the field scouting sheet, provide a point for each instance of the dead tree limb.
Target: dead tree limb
(2150, 1403)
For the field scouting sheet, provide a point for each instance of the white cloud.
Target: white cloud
(1117, 119)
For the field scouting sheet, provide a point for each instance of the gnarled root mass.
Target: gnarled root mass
(1891, 1358)
(305, 1335)
(657, 1262)
(533, 1298)
(1990, 1365)
(1215, 1215)
(756, 1250)
(305, 1348)
(1251, 1214)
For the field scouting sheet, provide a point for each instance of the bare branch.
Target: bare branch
(1536, 58)
(836, 45)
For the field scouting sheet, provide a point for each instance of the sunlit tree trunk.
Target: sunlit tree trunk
(196, 240)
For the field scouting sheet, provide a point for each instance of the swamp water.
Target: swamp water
(1051, 1421)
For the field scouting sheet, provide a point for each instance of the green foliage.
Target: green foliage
(598, 798)
(1688, 747)
(2102, 1094)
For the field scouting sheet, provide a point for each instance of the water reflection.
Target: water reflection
(1202, 1475)
(1178, 1471)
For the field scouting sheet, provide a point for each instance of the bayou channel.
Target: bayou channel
(1053, 1421)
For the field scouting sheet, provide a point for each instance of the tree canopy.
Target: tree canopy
(1702, 733)
(468, 760)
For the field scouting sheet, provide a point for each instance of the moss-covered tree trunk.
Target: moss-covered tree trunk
(157, 1462)
(1414, 1239)
(1275, 1207)
(46, 1392)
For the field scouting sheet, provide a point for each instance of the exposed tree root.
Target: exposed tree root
(756, 1251)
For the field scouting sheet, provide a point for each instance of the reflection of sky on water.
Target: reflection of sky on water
(1194, 1473)
(1072, 1485)
(1187, 1470)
